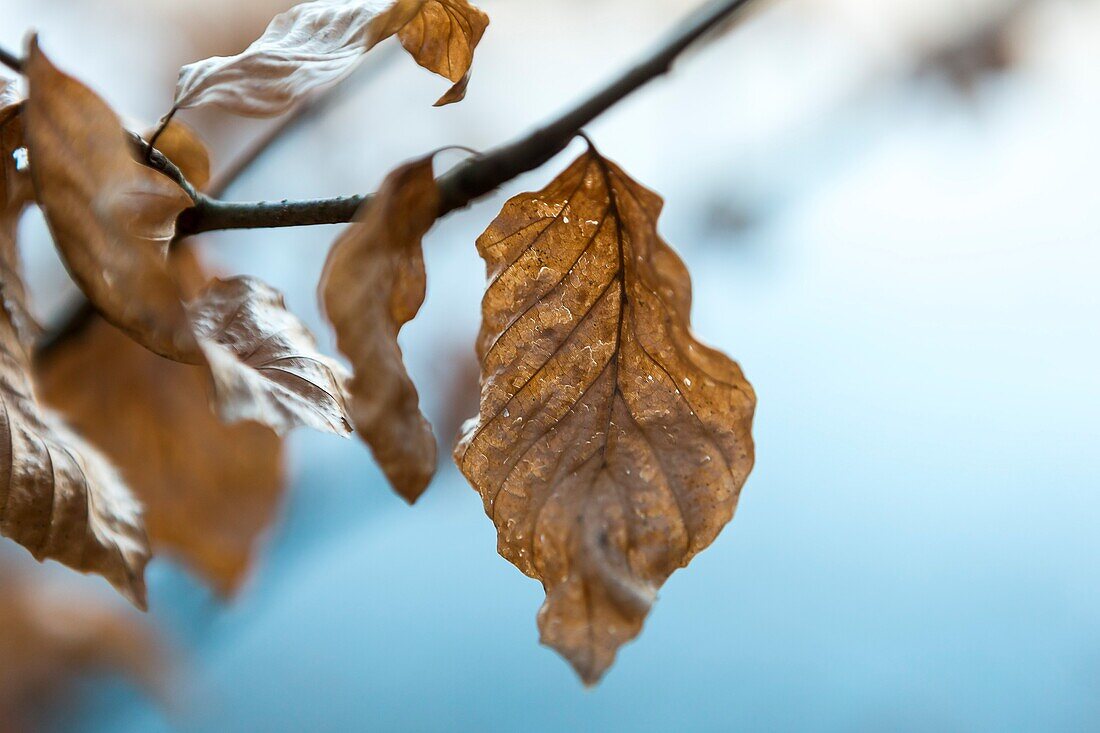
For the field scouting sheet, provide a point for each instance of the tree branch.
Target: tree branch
(480, 175)
(466, 182)
(12, 61)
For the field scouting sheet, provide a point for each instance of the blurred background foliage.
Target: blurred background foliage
(889, 209)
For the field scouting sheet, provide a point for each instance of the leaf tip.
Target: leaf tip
(456, 93)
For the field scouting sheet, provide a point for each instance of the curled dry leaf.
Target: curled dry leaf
(264, 361)
(373, 284)
(611, 446)
(442, 38)
(59, 497)
(317, 43)
(309, 46)
(182, 145)
(111, 218)
(209, 489)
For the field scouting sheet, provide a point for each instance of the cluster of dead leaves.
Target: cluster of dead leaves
(610, 445)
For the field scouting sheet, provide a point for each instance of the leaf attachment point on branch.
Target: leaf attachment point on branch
(111, 218)
(611, 445)
(182, 145)
(373, 284)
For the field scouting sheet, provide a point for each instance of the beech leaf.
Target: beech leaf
(111, 218)
(611, 445)
(59, 497)
(373, 283)
(209, 489)
(15, 193)
(442, 38)
(264, 361)
(309, 46)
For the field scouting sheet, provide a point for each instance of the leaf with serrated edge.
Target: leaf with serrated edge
(209, 489)
(611, 446)
(373, 283)
(264, 361)
(110, 217)
(59, 497)
(311, 45)
(442, 38)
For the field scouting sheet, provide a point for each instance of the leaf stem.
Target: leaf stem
(164, 122)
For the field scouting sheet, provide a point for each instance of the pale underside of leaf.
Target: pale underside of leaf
(9, 92)
(373, 284)
(312, 45)
(59, 497)
(209, 489)
(611, 445)
(265, 363)
(111, 218)
(442, 38)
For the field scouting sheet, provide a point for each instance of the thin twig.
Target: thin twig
(477, 176)
(300, 114)
(164, 122)
(13, 62)
(158, 161)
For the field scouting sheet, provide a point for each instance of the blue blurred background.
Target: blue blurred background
(890, 213)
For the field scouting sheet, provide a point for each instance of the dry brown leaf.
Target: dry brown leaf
(264, 361)
(59, 498)
(442, 38)
(309, 46)
(51, 634)
(182, 145)
(110, 217)
(611, 445)
(15, 193)
(209, 489)
(373, 284)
